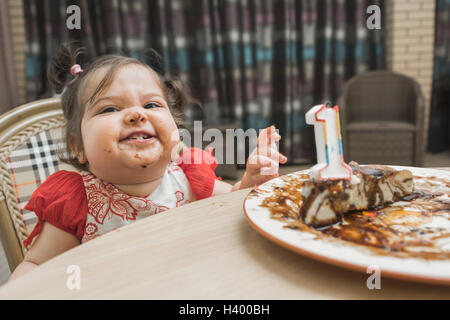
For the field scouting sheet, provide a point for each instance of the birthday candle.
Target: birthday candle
(330, 159)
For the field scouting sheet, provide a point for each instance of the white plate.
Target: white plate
(345, 254)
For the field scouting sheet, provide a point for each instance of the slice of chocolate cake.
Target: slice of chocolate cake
(324, 202)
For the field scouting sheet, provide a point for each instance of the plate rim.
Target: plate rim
(339, 263)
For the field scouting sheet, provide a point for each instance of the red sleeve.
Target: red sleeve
(199, 166)
(61, 201)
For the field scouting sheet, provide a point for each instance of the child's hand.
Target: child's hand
(262, 164)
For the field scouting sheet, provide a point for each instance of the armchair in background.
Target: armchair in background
(383, 119)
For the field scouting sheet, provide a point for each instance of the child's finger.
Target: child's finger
(282, 158)
(263, 137)
(270, 168)
(273, 153)
(258, 162)
(275, 136)
(269, 171)
(268, 136)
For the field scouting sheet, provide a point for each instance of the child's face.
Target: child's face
(128, 131)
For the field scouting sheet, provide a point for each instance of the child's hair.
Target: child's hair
(59, 75)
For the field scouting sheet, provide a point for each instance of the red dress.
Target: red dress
(70, 201)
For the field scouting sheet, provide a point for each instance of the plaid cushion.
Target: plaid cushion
(31, 163)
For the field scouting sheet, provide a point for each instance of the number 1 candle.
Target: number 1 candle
(327, 130)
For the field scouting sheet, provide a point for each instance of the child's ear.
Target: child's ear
(81, 157)
(79, 154)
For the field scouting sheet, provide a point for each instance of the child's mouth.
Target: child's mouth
(139, 137)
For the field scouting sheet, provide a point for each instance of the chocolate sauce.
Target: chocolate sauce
(385, 231)
(421, 194)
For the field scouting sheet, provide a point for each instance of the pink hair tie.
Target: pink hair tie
(75, 69)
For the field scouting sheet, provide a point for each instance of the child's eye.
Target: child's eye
(108, 109)
(151, 105)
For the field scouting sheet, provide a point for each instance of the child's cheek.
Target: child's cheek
(99, 137)
(167, 129)
(174, 135)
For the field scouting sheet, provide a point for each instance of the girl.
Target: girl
(122, 135)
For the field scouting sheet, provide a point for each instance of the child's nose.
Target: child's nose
(134, 117)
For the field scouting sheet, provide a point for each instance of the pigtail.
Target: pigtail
(153, 59)
(59, 70)
(178, 98)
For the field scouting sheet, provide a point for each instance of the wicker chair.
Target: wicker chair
(382, 116)
(29, 137)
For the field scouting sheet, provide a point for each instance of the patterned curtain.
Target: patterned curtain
(255, 62)
(439, 136)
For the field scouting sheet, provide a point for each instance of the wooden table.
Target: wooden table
(204, 250)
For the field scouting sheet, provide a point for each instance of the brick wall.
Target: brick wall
(18, 46)
(410, 43)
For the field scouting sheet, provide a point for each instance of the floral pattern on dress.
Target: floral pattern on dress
(180, 197)
(172, 168)
(110, 208)
(90, 229)
(105, 200)
(157, 208)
